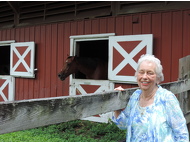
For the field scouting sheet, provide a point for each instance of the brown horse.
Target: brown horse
(92, 68)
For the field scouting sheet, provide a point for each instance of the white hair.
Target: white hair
(152, 58)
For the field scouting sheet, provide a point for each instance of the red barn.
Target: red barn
(36, 37)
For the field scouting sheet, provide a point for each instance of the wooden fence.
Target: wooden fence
(27, 114)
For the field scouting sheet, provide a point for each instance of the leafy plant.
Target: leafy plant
(73, 131)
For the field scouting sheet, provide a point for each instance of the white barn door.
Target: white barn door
(124, 52)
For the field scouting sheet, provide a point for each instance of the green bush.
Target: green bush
(73, 131)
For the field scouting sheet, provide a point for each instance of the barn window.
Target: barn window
(92, 49)
(120, 52)
(17, 59)
(7, 82)
(5, 57)
(4, 60)
(92, 46)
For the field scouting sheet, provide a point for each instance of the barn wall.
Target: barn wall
(170, 29)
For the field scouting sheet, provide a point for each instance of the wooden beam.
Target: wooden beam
(14, 6)
(184, 73)
(27, 114)
(177, 86)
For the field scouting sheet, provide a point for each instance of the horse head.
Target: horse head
(70, 67)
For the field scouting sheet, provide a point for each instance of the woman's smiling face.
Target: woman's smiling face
(146, 76)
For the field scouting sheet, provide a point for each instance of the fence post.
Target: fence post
(184, 73)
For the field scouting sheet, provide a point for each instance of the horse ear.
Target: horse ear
(73, 57)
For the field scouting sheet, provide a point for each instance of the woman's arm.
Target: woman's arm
(176, 119)
(117, 112)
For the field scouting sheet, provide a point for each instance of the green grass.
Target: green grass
(73, 131)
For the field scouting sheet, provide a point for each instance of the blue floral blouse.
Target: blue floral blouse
(163, 121)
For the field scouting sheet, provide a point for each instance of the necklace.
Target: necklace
(141, 110)
(147, 100)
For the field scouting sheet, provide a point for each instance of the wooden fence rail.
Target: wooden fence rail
(27, 114)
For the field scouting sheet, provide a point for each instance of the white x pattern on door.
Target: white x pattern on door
(1, 90)
(8, 82)
(146, 41)
(29, 67)
(21, 59)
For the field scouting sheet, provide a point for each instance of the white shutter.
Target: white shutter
(7, 88)
(124, 52)
(22, 59)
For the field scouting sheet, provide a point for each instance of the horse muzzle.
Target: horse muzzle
(61, 77)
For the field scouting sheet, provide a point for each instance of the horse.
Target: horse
(92, 68)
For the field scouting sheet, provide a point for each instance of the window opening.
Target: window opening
(91, 49)
(4, 60)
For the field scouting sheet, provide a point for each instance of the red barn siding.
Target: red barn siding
(146, 23)
(41, 67)
(110, 25)
(171, 41)
(38, 63)
(176, 42)
(186, 32)
(156, 29)
(127, 29)
(103, 26)
(166, 44)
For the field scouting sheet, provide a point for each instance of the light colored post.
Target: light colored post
(184, 74)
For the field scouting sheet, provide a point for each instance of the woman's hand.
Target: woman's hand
(119, 88)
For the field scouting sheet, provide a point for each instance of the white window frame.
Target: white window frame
(73, 41)
(91, 37)
(75, 83)
(6, 43)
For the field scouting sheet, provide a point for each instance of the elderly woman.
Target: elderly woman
(153, 113)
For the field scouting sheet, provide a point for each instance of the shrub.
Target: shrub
(73, 131)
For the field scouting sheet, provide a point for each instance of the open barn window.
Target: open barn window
(120, 52)
(7, 82)
(16, 60)
(96, 49)
(91, 47)
(4, 60)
